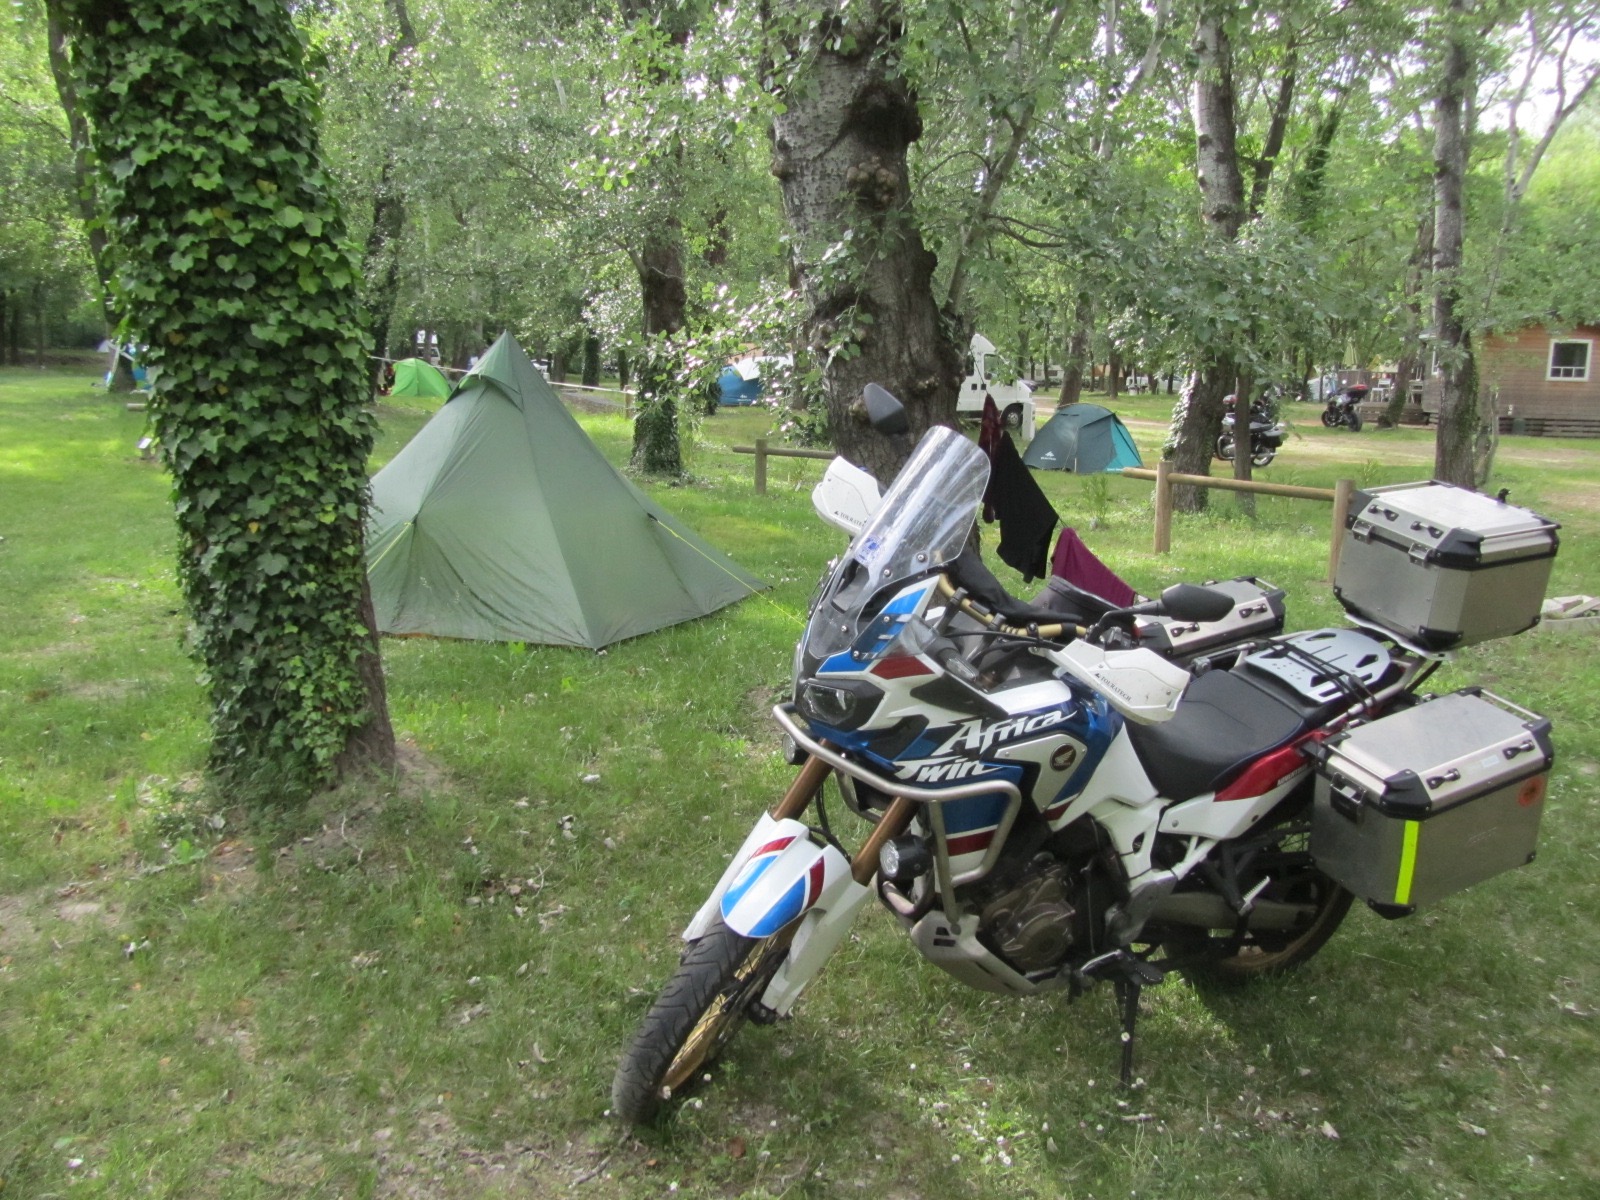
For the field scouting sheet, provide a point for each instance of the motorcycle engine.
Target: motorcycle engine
(1032, 922)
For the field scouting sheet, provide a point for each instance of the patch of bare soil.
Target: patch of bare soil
(62, 914)
(350, 810)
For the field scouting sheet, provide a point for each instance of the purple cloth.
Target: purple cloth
(1076, 563)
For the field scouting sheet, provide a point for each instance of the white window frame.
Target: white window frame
(1588, 364)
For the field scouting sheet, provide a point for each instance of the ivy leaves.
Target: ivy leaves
(230, 259)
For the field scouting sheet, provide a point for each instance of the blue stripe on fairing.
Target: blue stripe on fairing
(903, 606)
(784, 911)
(1104, 725)
(906, 602)
(843, 663)
(735, 893)
(975, 812)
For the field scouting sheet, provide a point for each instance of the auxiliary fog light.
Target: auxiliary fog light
(904, 857)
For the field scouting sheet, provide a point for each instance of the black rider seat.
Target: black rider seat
(1223, 723)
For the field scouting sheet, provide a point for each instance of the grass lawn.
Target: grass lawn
(422, 990)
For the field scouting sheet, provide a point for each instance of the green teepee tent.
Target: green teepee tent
(418, 379)
(501, 521)
(1084, 438)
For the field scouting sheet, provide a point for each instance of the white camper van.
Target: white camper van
(1014, 399)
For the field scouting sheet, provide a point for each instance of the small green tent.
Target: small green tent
(1084, 438)
(502, 521)
(418, 379)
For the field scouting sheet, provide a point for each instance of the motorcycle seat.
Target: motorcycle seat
(1223, 723)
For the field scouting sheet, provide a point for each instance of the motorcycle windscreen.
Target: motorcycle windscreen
(921, 524)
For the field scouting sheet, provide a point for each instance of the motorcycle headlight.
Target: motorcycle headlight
(841, 704)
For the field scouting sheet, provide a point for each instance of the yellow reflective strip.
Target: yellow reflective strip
(1408, 863)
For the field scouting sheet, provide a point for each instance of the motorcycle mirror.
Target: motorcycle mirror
(884, 412)
(1187, 602)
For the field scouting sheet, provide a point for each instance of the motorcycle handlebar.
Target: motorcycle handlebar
(1055, 632)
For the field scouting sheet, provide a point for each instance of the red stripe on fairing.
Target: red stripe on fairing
(969, 843)
(900, 667)
(774, 846)
(1266, 773)
(1054, 814)
(814, 882)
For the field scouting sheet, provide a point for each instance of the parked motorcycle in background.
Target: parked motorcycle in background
(1051, 803)
(1266, 434)
(1343, 408)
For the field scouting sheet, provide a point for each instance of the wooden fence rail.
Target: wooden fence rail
(763, 452)
(1165, 479)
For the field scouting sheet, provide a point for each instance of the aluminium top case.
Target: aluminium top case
(1442, 566)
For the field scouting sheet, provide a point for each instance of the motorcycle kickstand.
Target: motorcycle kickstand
(1129, 977)
(1128, 991)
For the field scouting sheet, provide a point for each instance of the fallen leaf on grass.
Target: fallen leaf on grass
(1328, 1131)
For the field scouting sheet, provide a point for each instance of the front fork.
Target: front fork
(782, 883)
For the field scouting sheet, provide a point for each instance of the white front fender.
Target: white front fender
(781, 875)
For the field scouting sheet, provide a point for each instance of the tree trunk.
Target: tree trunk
(1412, 363)
(1460, 421)
(382, 252)
(1077, 352)
(83, 187)
(259, 406)
(1197, 418)
(839, 152)
(656, 450)
(660, 262)
(1243, 389)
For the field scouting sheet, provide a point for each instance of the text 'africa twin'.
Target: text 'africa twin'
(1050, 805)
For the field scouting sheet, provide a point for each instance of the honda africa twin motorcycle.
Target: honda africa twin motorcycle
(1266, 436)
(1343, 408)
(1048, 806)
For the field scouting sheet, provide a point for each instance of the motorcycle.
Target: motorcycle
(1343, 408)
(1049, 806)
(1266, 434)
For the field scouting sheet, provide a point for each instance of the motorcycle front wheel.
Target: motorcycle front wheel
(694, 1018)
(1331, 419)
(1263, 458)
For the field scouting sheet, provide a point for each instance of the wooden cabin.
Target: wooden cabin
(1546, 380)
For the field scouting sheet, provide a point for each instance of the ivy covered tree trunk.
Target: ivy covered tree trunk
(663, 291)
(232, 265)
(656, 449)
(839, 151)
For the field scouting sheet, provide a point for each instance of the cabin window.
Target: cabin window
(1570, 359)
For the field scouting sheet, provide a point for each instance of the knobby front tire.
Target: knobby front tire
(696, 1015)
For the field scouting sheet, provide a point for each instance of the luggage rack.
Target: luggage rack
(1436, 657)
(1324, 665)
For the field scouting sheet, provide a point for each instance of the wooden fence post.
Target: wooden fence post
(1341, 509)
(761, 466)
(1163, 507)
